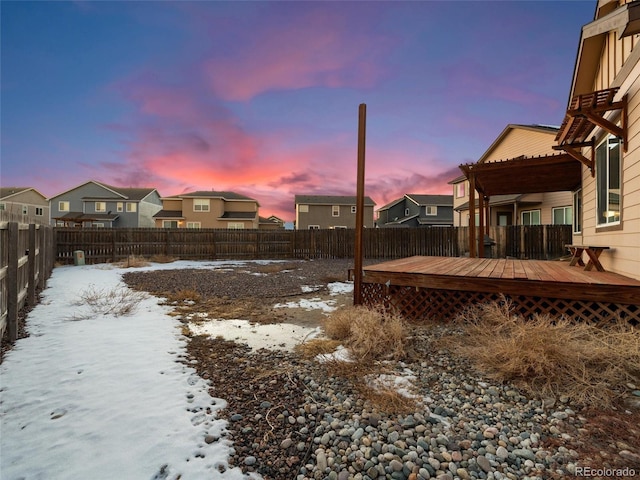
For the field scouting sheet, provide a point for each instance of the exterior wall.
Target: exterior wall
(460, 218)
(172, 204)
(624, 239)
(210, 219)
(147, 208)
(321, 215)
(521, 141)
(30, 199)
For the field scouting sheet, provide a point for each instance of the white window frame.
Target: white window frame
(406, 212)
(169, 223)
(530, 212)
(314, 227)
(431, 210)
(100, 207)
(461, 190)
(64, 206)
(607, 213)
(132, 207)
(339, 227)
(235, 226)
(194, 224)
(354, 208)
(120, 207)
(335, 210)
(25, 210)
(201, 204)
(39, 211)
(577, 211)
(97, 224)
(567, 215)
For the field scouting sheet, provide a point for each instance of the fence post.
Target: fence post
(12, 283)
(42, 258)
(31, 289)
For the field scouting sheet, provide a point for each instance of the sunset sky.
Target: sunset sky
(261, 98)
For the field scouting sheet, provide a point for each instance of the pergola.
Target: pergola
(549, 173)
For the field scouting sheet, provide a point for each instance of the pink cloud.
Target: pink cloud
(315, 49)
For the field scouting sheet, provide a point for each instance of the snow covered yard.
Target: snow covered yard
(100, 396)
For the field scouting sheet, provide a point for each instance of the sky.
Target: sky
(261, 97)
(101, 403)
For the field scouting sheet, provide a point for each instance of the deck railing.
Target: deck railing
(109, 245)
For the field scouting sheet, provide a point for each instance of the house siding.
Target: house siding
(32, 200)
(521, 141)
(624, 258)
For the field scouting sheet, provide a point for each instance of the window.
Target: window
(98, 224)
(577, 208)
(132, 207)
(335, 211)
(303, 208)
(562, 215)
(431, 210)
(338, 227)
(406, 212)
(353, 209)
(531, 217)
(200, 204)
(25, 210)
(460, 189)
(314, 227)
(169, 224)
(39, 211)
(608, 181)
(2, 206)
(101, 206)
(193, 224)
(63, 206)
(235, 225)
(119, 207)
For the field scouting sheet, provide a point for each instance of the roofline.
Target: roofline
(513, 126)
(86, 183)
(24, 189)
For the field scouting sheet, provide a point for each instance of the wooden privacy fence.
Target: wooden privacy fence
(27, 256)
(109, 245)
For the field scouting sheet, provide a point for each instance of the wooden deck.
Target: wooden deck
(421, 287)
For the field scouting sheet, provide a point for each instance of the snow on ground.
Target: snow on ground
(93, 395)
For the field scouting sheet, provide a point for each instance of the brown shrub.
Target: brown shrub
(551, 357)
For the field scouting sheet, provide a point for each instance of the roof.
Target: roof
(239, 215)
(271, 219)
(169, 214)
(213, 194)
(132, 194)
(6, 192)
(425, 199)
(87, 217)
(331, 200)
(549, 173)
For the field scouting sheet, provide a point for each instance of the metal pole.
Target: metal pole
(358, 251)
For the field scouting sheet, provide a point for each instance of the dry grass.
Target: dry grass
(183, 295)
(388, 400)
(551, 357)
(316, 346)
(118, 301)
(369, 334)
(162, 259)
(133, 261)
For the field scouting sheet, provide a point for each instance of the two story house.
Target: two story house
(208, 209)
(24, 204)
(328, 211)
(540, 208)
(413, 210)
(95, 204)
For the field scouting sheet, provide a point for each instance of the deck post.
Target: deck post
(358, 250)
(481, 226)
(472, 215)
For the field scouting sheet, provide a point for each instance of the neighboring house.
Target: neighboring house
(543, 208)
(208, 209)
(327, 211)
(24, 203)
(417, 211)
(95, 204)
(271, 223)
(601, 131)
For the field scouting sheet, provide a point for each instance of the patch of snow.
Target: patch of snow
(310, 288)
(337, 288)
(106, 397)
(327, 306)
(341, 354)
(283, 336)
